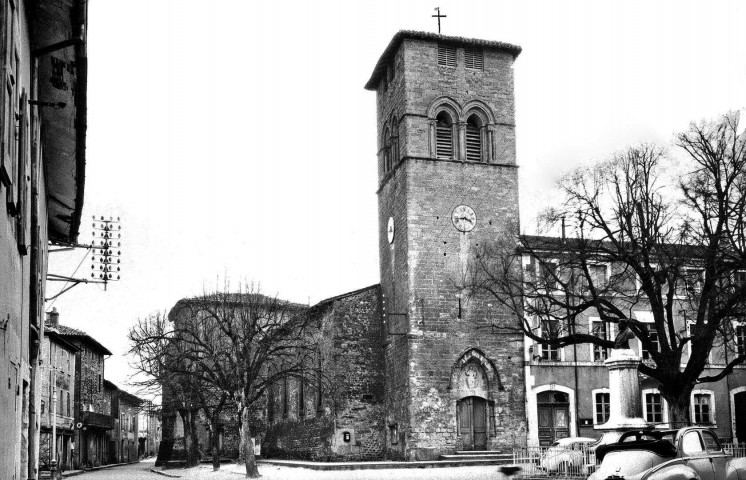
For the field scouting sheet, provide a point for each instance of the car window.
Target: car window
(691, 443)
(711, 441)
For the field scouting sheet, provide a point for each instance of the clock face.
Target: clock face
(464, 218)
(390, 230)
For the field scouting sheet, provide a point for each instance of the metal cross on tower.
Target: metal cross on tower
(439, 16)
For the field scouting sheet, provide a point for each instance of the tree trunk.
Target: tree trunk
(678, 404)
(190, 438)
(248, 449)
(215, 440)
(195, 438)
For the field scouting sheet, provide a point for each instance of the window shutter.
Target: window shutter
(443, 140)
(473, 143)
(446, 55)
(474, 58)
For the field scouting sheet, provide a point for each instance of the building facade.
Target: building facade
(57, 366)
(92, 413)
(567, 388)
(42, 172)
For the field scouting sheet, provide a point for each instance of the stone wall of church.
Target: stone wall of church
(346, 421)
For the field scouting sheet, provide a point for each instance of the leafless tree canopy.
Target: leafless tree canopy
(227, 346)
(674, 247)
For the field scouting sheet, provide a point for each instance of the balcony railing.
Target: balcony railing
(98, 420)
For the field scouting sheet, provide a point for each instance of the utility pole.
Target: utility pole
(53, 471)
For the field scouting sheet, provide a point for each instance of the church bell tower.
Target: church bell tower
(447, 183)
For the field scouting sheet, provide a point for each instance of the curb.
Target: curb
(327, 466)
(169, 475)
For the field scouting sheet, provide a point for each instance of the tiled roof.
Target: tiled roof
(69, 332)
(393, 46)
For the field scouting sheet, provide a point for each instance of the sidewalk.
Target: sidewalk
(45, 474)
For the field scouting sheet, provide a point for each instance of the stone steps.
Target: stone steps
(492, 456)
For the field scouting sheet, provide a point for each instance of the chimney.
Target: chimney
(53, 318)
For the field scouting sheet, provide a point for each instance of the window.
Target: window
(653, 336)
(690, 283)
(601, 401)
(474, 58)
(444, 136)
(285, 397)
(99, 383)
(599, 329)
(548, 275)
(271, 403)
(550, 329)
(740, 333)
(386, 150)
(598, 275)
(301, 397)
(68, 404)
(446, 55)
(8, 155)
(43, 404)
(473, 139)
(702, 407)
(711, 441)
(691, 443)
(653, 407)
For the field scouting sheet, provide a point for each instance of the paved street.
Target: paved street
(234, 472)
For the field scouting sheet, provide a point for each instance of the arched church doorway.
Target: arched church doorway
(739, 402)
(472, 419)
(554, 416)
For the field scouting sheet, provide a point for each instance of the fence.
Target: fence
(572, 461)
(738, 450)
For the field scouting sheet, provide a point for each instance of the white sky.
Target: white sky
(235, 138)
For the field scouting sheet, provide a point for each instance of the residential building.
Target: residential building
(93, 419)
(42, 177)
(149, 432)
(567, 388)
(57, 366)
(122, 439)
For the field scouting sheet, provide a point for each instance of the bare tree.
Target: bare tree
(240, 344)
(159, 367)
(676, 248)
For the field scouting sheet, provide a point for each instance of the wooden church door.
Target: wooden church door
(472, 416)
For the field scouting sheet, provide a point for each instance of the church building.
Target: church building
(428, 376)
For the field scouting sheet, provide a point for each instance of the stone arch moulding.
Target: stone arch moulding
(445, 103)
(533, 414)
(464, 380)
(481, 109)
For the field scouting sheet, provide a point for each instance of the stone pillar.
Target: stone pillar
(624, 400)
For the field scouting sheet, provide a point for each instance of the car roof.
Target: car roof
(569, 440)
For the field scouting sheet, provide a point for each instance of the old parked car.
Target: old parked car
(570, 454)
(691, 453)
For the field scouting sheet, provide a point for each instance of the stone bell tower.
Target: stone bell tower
(448, 183)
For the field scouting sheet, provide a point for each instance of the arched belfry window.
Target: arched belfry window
(444, 136)
(387, 151)
(474, 139)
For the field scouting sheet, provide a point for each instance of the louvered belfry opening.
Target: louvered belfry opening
(473, 139)
(474, 58)
(446, 55)
(387, 151)
(444, 136)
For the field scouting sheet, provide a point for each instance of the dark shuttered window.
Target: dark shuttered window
(444, 136)
(473, 140)
(446, 55)
(474, 58)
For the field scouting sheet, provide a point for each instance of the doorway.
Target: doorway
(554, 416)
(472, 423)
(739, 402)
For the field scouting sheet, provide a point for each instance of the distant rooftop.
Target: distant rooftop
(393, 46)
(69, 333)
